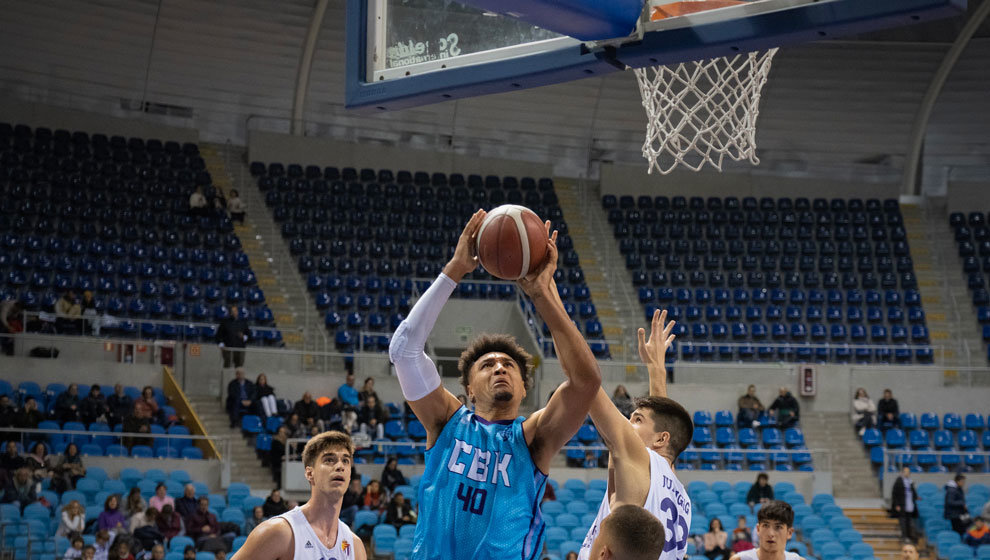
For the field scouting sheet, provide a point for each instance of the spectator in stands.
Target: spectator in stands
(111, 518)
(8, 412)
(978, 534)
(169, 522)
(264, 396)
(904, 501)
(240, 397)
(72, 520)
(157, 552)
(121, 550)
(94, 407)
(20, 488)
(785, 409)
(197, 203)
(120, 405)
(331, 414)
(101, 545)
(75, 549)
(256, 517)
(888, 412)
(10, 323)
(372, 417)
(236, 207)
(220, 555)
(135, 503)
(352, 500)
(368, 390)
(391, 475)
(863, 411)
(716, 540)
(161, 498)
(399, 512)
(201, 525)
(373, 497)
(347, 393)
(571, 555)
(909, 552)
(275, 504)
(187, 503)
(306, 411)
(89, 552)
(68, 470)
(232, 336)
(146, 518)
(622, 400)
(68, 313)
(11, 460)
(276, 455)
(760, 492)
(750, 408)
(91, 318)
(590, 461)
(30, 416)
(295, 427)
(955, 504)
(742, 537)
(189, 553)
(67, 404)
(42, 464)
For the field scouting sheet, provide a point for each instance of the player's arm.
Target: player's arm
(550, 428)
(417, 374)
(653, 352)
(630, 459)
(271, 540)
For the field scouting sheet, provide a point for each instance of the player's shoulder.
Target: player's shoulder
(274, 532)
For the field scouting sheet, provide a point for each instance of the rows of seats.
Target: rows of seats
(357, 234)
(931, 508)
(973, 240)
(110, 215)
(35, 527)
(785, 279)
(919, 437)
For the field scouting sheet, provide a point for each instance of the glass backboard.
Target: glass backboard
(405, 53)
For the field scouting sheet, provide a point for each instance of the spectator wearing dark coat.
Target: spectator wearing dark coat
(399, 513)
(785, 409)
(20, 489)
(904, 504)
(308, 410)
(29, 416)
(94, 407)
(888, 412)
(185, 505)
(761, 491)
(67, 404)
(11, 460)
(275, 504)
(8, 412)
(240, 397)
(201, 524)
(120, 405)
(955, 504)
(392, 476)
(232, 336)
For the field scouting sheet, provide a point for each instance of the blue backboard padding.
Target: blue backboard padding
(587, 20)
(804, 24)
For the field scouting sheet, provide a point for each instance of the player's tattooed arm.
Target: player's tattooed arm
(550, 428)
(653, 351)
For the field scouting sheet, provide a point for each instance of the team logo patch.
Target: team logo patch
(344, 546)
(309, 544)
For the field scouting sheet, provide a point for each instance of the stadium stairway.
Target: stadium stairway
(604, 269)
(284, 292)
(245, 465)
(852, 473)
(882, 532)
(944, 296)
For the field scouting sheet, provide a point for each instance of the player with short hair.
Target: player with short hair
(486, 470)
(774, 527)
(313, 531)
(643, 449)
(629, 533)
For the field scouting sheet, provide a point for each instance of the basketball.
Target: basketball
(512, 242)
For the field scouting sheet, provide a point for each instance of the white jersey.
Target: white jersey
(308, 547)
(752, 554)
(667, 500)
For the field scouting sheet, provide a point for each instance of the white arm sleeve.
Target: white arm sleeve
(418, 375)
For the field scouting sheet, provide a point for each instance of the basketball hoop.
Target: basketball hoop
(701, 112)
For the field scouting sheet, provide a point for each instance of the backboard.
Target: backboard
(405, 53)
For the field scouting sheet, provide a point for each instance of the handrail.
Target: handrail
(182, 405)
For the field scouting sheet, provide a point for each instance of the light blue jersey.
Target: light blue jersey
(480, 494)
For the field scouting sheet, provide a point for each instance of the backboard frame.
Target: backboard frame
(695, 37)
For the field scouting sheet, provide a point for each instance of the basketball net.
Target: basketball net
(701, 112)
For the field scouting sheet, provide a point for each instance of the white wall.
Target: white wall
(72, 366)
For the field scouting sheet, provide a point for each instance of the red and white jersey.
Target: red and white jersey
(667, 500)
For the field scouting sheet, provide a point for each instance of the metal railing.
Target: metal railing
(895, 459)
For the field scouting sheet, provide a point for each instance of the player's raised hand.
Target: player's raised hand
(539, 283)
(653, 351)
(465, 258)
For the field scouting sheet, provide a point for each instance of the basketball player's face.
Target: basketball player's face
(331, 473)
(495, 378)
(642, 421)
(773, 535)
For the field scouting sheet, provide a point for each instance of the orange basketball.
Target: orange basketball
(512, 242)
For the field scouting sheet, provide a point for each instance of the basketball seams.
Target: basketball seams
(516, 212)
